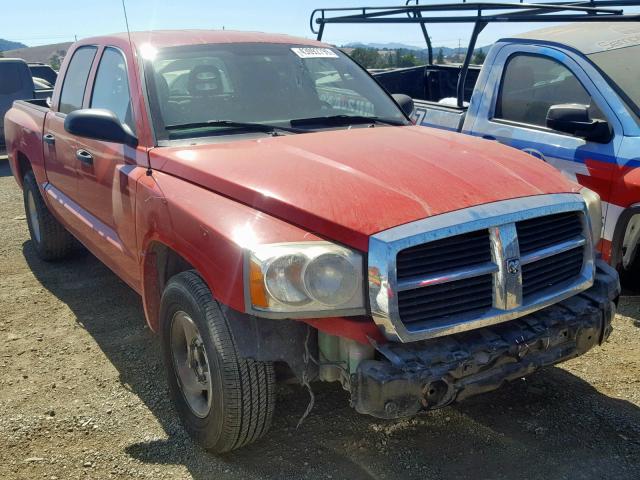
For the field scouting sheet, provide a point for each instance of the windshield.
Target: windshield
(623, 72)
(258, 83)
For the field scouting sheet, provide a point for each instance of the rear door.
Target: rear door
(60, 146)
(529, 79)
(106, 172)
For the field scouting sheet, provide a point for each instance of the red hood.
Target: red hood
(346, 185)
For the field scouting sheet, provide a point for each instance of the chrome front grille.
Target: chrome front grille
(537, 233)
(479, 266)
(551, 271)
(461, 251)
(466, 296)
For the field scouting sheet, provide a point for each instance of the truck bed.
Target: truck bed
(24, 125)
(433, 89)
(429, 83)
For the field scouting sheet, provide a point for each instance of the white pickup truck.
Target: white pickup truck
(567, 94)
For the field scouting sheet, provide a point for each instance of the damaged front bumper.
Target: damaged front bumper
(433, 373)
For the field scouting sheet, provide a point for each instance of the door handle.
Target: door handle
(84, 157)
(489, 137)
(49, 139)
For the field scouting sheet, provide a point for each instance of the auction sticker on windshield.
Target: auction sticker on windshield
(309, 52)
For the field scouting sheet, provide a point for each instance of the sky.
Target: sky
(37, 22)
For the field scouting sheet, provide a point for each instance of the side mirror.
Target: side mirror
(574, 119)
(99, 124)
(405, 102)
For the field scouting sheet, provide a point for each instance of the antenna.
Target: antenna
(135, 70)
(126, 21)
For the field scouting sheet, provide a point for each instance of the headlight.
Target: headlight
(594, 206)
(305, 280)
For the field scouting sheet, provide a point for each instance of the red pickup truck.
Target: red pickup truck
(282, 218)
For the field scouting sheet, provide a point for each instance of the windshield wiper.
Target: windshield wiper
(260, 127)
(344, 120)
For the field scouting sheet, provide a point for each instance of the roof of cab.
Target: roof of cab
(174, 38)
(589, 38)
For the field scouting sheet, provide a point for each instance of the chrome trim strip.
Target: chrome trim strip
(507, 292)
(452, 276)
(552, 250)
(497, 217)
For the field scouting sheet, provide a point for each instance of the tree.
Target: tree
(55, 60)
(367, 57)
(479, 57)
(1, 54)
(407, 60)
(440, 57)
(458, 56)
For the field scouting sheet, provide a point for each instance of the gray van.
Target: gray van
(16, 83)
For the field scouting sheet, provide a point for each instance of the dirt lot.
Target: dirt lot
(82, 395)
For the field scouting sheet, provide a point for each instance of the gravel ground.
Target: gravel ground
(82, 395)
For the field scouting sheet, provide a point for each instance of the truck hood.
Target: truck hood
(346, 185)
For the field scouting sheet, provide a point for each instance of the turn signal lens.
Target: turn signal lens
(256, 286)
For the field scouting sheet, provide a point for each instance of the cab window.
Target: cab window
(75, 80)
(111, 87)
(531, 84)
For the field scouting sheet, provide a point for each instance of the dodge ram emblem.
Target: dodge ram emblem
(513, 266)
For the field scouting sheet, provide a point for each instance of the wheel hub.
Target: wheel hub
(33, 216)
(197, 360)
(191, 364)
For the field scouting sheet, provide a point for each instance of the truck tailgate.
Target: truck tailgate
(431, 114)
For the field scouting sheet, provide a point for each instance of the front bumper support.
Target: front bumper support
(433, 373)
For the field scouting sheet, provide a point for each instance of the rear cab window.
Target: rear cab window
(75, 80)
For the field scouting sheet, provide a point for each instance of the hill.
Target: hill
(51, 54)
(9, 45)
(446, 51)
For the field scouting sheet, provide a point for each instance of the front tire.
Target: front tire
(225, 401)
(49, 237)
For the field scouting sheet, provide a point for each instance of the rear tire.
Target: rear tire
(49, 237)
(225, 401)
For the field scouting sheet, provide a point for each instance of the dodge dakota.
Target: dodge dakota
(282, 219)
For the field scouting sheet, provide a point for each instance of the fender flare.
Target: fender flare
(151, 290)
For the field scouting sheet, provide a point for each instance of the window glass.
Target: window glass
(111, 88)
(531, 84)
(75, 79)
(624, 71)
(11, 78)
(333, 87)
(260, 83)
